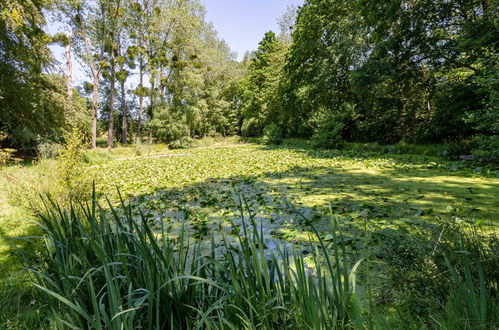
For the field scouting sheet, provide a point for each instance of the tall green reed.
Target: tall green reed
(106, 269)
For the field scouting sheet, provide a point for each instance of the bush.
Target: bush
(450, 264)
(70, 170)
(168, 125)
(252, 127)
(7, 156)
(273, 134)
(142, 148)
(181, 143)
(48, 150)
(328, 135)
(486, 147)
(459, 148)
(330, 126)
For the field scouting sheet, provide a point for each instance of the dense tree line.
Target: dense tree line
(385, 71)
(156, 69)
(339, 70)
(34, 104)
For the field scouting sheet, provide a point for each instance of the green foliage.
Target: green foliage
(110, 270)
(486, 147)
(401, 148)
(273, 134)
(167, 125)
(96, 157)
(260, 88)
(42, 114)
(451, 264)
(458, 148)
(34, 104)
(182, 143)
(7, 156)
(486, 120)
(193, 193)
(330, 127)
(70, 170)
(48, 150)
(328, 135)
(251, 128)
(409, 73)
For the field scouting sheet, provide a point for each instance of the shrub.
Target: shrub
(459, 148)
(7, 156)
(168, 124)
(142, 148)
(48, 150)
(330, 126)
(486, 147)
(273, 134)
(328, 135)
(181, 143)
(450, 264)
(252, 127)
(70, 170)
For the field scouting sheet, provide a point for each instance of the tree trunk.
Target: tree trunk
(141, 97)
(95, 89)
(69, 70)
(95, 108)
(152, 96)
(112, 95)
(123, 115)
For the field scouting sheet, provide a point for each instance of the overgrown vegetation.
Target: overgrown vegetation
(107, 271)
(336, 71)
(382, 116)
(108, 268)
(401, 214)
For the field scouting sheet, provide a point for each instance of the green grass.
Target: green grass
(21, 305)
(400, 192)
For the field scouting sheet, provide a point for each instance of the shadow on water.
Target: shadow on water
(285, 204)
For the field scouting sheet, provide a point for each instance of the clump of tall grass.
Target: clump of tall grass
(109, 270)
(64, 178)
(445, 274)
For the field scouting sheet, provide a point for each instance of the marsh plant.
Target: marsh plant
(110, 271)
(62, 175)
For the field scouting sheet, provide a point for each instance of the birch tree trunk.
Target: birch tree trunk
(69, 69)
(123, 115)
(112, 97)
(141, 97)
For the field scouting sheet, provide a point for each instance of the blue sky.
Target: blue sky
(242, 23)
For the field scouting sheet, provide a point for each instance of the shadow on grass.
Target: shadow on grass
(22, 306)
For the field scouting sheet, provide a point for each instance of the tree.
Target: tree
(34, 105)
(260, 91)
